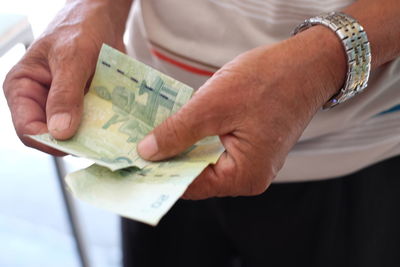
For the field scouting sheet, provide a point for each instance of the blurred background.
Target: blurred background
(34, 226)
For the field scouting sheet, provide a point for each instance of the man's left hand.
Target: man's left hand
(258, 104)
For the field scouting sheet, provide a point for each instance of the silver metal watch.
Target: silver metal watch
(358, 51)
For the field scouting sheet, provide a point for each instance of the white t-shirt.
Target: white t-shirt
(190, 40)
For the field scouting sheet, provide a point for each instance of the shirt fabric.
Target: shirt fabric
(190, 40)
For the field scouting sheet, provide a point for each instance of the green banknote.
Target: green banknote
(126, 100)
(143, 194)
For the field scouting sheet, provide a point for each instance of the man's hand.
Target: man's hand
(258, 104)
(45, 89)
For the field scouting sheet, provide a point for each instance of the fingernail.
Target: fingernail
(59, 122)
(148, 147)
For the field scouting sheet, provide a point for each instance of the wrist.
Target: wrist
(325, 59)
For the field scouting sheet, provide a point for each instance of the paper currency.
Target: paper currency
(143, 194)
(126, 100)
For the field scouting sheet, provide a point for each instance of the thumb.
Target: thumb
(177, 133)
(65, 100)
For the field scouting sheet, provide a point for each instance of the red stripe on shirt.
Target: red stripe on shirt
(180, 64)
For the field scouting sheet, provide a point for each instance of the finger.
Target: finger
(235, 174)
(222, 180)
(35, 128)
(65, 99)
(209, 183)
(197, 119)
(27, 100)
(219, 180)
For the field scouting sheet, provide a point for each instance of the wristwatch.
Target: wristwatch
(357, 48)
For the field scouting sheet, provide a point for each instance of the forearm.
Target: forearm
(323, 60)
(381, 22)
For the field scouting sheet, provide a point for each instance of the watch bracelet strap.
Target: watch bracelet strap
(357, 48)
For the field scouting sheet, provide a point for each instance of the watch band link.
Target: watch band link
(357, 48)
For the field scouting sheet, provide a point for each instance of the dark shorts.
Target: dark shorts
(349, 221)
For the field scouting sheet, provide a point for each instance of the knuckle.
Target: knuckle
(169, 129)
(192, 117)
(30, 67)
(66, 91)
(14, 95)
(11, 78)
(206, 114)
(6, 85)
(176, 129)
(65, 96)
(185, 128)
(75, 51)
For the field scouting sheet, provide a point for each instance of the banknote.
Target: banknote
(125, 101)
(144, 194)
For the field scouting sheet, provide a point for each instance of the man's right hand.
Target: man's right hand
(45, 89)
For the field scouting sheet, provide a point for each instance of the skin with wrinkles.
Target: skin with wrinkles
(52, 76)
(259, 103)
(275, 113)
